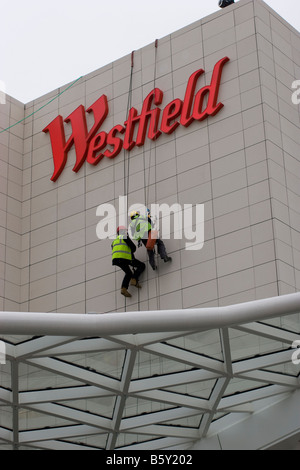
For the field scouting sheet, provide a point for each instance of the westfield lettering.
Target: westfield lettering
(92, 146)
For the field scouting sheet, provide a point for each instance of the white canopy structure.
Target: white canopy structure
(211, 378)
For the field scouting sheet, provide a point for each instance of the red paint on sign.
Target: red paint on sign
(91, 146)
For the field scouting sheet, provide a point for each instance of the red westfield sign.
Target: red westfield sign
(92, 146)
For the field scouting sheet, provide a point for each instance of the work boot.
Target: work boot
(125, 292)
(135, 283)
(167, 258)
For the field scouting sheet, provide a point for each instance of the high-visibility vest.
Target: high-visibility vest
(140, 227)
(120, 249)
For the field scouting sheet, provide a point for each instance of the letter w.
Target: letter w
(80, 136)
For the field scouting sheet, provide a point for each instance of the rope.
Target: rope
(34, 112)
(155, 188)
(126, 180)
(147, 184)
(126, 186)
(146, 193)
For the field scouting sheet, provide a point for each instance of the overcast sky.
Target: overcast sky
(45, 45)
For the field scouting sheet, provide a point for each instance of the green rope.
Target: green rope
(34, 112)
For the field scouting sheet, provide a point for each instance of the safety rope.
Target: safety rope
(147, 183)
(126, 179)
(129, 101)
(155, 196)
(34, 112)
(155, 186)
(150, 156)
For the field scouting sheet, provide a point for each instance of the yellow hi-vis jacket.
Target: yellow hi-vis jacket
(120, 249)
(140, 227)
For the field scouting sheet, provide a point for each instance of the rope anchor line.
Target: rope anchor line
(126, 176)
(34, 112)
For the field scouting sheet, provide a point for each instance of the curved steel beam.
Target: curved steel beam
(83, 325)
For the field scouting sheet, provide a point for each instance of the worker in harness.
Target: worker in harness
(123, 250)
(141, 230)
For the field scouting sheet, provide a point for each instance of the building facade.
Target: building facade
(242, 164)
(226, 138)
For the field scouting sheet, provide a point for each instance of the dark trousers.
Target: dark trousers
(161, 251)
(124, 264)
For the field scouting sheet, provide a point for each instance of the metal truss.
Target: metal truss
(149, 390)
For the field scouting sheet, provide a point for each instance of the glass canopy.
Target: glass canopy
(158, 390)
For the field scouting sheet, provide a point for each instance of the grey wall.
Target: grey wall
(279, 60)
(11, 153)
(242, 164)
